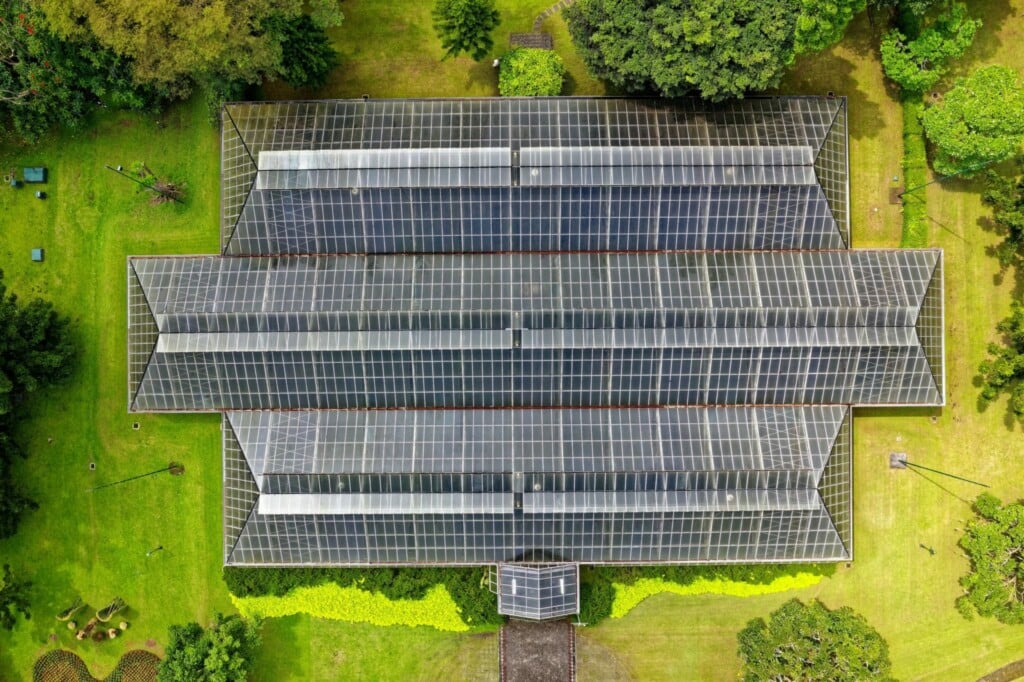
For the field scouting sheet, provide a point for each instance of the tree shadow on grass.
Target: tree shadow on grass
(899, 412)
(483, 73)
(279, 636)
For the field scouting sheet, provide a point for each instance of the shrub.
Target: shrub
(531, 72)
(615, 590)
(476, 604)
(436, 609)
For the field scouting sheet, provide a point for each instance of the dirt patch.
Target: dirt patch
(538, 652)
(1008, 673)
(594, 661)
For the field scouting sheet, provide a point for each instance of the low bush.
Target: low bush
(615, 590)
(531, 72)
(465, 585)
(435, 609)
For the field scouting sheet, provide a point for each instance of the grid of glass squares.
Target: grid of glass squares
(546, 484)
(494, 175)
(536, 330)
(538, 592)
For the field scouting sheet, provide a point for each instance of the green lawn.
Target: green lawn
(94, 544)
(388, 49)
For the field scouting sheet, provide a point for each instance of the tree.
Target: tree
(1006, 197)
(917, 65)
(465, 26)
(47, 81)
(1003, 371)
(980, 121)
(13, 599)
(307, 56)
(221, 653)
(531, 72)
(810, 642)
(993, 540)
(175, 44)
(715, 48)
(36, 350)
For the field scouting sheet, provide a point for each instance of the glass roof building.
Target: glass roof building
(535, 333)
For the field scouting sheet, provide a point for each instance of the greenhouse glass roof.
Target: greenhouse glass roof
(536, 333)
(538, 174)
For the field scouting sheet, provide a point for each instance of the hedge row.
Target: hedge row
(465, 585)
(628, 597)
(915, 174)
(613, 591)
(435, 608)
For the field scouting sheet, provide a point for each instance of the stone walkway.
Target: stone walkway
(557, 7)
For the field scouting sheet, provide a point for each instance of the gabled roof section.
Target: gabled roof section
(832, 165)
(483, 486)
(931, 325)
(835, 485)
(538, 592)
(143, 333)
(505, 174)
(241, 491)
(537, 330)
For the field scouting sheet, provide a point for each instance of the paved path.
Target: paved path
(557, 7)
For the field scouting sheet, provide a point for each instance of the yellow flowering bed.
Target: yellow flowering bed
(628, 596)
(436, 609)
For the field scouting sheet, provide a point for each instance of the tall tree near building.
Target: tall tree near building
(717, 49)
(465, 26)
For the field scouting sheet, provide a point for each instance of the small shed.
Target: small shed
(37, 255)
(35, 174)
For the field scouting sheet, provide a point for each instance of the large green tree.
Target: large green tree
(917, 64)
(980, 121)
(715, 48)
(1005, 194)
(1002, 373)
(13, 599)
(46, 80)
(465, 26)
(810, 642)
(176, 44)
(994, 542)
(221, 653)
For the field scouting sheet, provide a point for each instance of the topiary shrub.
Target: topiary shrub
(531, 72)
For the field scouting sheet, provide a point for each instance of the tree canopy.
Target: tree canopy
(221, 653)
(1003, 371)
(13, 599)
(715, 48)
(36, 350)
(170, 43)
(47, 81)
(917, 65)
(980, 121)
(993, 542)
(531, 72)
(810, 642)
(1006, 197)
(465, 26)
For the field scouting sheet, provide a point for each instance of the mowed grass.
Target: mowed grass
(904, 591)
(389, 49)
(94, 545)
(303, 648)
